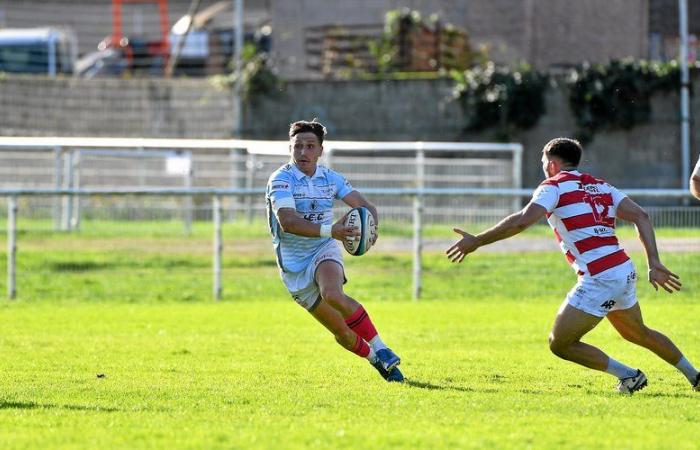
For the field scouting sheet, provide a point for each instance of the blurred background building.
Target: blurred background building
(315, 58)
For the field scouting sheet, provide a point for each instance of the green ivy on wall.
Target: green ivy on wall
(501, 97)
(257, 77)
(617, 95)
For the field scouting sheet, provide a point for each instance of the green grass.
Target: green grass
(259, 229)
(115, 342)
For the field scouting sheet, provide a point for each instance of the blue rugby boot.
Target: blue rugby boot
(393, 375)
(388, 359)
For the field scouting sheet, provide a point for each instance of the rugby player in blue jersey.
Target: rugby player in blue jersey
(299, 200)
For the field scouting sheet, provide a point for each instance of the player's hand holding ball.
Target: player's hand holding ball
(364, 235)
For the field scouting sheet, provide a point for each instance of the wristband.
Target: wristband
(325, 231)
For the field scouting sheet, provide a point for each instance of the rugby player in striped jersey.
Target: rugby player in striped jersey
(582, 210)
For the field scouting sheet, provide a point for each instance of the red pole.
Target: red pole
(116, 21)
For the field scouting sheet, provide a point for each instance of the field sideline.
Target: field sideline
(114, 342)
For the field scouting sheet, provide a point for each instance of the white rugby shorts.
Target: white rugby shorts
(600, 295)
(302, 285)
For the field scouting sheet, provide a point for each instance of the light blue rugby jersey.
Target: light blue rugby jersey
(312, 197)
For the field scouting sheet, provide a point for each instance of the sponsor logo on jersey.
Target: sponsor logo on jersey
(314, 217)
(277, 186)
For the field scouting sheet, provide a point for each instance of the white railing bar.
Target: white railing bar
(273, 147)
(667, 193)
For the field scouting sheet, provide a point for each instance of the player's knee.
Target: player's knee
(332, 295)
(557, 347)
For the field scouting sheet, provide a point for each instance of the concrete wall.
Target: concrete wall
(646, 156)
(36, 106)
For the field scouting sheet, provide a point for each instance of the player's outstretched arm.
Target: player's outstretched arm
(659, 275)
(292, 222)
(510, 226)
(695, 181)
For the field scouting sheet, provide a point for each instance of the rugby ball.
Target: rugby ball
(363, 219)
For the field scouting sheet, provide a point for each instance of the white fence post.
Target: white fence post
(417, 222)
(11, 245)
(189, 202)
(58, 183)
(251, 162)
(218, 246)
(517, 175)
(67, 201)
(75, 211)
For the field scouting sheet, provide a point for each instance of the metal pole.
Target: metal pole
(172, 61)
(67, 184)
(218, 247)
(417, 223)
(249, 179)
(75, 213)
(238, 66)
(11, 246)
(517, 175)
(328, 154)
(189, 213)
(685, 95)
(58, 173)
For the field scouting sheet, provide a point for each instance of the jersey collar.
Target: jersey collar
(298, 174)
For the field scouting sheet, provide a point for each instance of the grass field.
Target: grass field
(114, 342)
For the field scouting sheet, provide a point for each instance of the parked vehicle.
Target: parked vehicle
(38, 50)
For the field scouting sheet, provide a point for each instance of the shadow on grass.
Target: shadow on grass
(33, 405)
(438, 387)
(78, 266)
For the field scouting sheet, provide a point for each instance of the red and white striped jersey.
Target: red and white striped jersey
(581, 211)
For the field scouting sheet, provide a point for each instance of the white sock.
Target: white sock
(687, 369)
(372, 357)
(376, 343)
(620, 370)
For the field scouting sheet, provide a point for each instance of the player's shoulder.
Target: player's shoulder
(284, 172)
(561, 177)
(587, 178)
(330, 174)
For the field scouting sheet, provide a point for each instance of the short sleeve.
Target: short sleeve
(547, 196)
(617, 195)
(279, 191)
(343, 186)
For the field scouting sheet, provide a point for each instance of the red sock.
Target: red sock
(360, 323)
(361, 347)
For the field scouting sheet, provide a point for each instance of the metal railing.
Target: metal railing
(91, 163)
(417, 195)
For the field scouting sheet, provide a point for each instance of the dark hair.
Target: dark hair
(568, 150)
(304, 126)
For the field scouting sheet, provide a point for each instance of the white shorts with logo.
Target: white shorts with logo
(302, 285)
(600, 295)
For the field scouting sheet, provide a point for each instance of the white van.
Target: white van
(38, 50)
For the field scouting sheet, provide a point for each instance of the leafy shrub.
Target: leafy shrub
(493, 96)
(617, 95)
